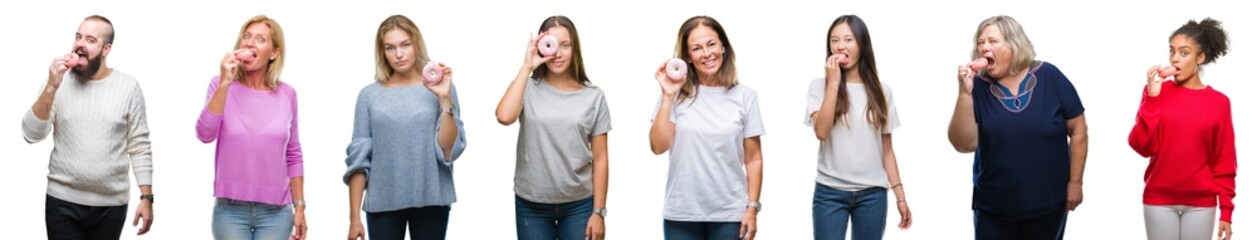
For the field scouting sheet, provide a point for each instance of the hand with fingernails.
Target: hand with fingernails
(975, 67)
(230, 65)
(966, 72)
(833, 68)
(442, 77)
(1157, 75)
(59, 66)
(532, 56)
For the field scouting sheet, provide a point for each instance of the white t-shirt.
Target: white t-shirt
(706, 172)
(851, 160)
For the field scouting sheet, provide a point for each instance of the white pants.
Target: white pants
(1178, 222)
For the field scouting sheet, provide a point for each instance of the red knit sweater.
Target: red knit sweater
(1190, 138)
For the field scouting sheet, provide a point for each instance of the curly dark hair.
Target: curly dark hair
(1208, 34)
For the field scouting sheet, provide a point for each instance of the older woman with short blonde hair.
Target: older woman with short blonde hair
(1024, 121)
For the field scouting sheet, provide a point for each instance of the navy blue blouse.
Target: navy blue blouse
(1021, 167)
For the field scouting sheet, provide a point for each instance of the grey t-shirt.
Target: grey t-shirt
(554, 158)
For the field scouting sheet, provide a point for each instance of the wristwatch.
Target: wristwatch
(449, 110)
(755, 205)
(299, 203)
(601, 212)
(148, 197)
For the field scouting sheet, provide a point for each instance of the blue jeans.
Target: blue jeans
(71, 221)
(994, 226)
(678, 230)
(244, 220)
(425, 223)
(541, 221)
(831, 208)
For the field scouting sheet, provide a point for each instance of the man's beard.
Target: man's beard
(85, 72)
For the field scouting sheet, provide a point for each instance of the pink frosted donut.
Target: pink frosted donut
(842, 59)
(433, 73)
(246, 55)
(548, 46)
(676, 69)
(978, 64)
(72, 60)
(1168, 71)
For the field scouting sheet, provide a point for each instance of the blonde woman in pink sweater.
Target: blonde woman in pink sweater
(258, 162)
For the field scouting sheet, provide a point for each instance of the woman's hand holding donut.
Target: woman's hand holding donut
(547, 45)
(433, 72)
(440, 88)
(669, 86)
(227, 69)
(676, 69)
(532, 58)
(965, 77)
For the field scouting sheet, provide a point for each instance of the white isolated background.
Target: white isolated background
(173, 48)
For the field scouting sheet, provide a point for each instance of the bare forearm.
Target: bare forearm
(43, 106)
(219, 100)
(754, 178)
(357, 184)
(1077, 129)
(448, 130)
(899, 193)
(890, 163)
(823, 120)
(298, 191)
(892, 173)
(600, 184)
(513, 100)
(601, 171)
(754, 167)
(661, 132)
(963, 130)
(1078, 156)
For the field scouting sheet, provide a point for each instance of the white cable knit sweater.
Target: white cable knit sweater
(100, 130)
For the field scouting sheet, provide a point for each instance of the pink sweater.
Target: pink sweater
(258, 149)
